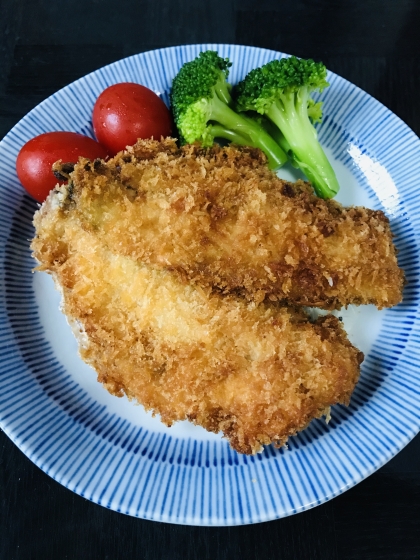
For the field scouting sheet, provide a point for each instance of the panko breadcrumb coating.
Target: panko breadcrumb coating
(220, 218)
(256, 372)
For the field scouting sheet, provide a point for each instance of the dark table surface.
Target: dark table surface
(45, 45)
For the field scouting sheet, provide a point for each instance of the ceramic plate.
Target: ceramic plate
(113, 453)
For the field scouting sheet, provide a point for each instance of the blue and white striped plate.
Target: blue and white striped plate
(113, 453)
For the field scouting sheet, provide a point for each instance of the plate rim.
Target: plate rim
(216, 46)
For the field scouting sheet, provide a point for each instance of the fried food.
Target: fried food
(256, 372)
(220, 218)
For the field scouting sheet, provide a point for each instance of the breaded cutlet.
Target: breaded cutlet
(220, 218)
(256, 372)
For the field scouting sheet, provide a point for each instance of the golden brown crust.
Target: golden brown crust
(258, 373)
(220, 218)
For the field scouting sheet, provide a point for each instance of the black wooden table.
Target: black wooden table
(45, 45)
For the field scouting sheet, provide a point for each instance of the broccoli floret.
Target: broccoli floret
(280, 90)
(201, 100)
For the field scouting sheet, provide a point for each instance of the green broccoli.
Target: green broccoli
(280, 90)
(200, 99)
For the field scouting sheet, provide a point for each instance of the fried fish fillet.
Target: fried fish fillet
(221, 218)
(257, 372)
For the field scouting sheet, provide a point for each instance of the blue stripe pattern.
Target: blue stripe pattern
(155, 475)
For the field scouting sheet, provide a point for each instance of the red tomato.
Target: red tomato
(33, 164)
(125, 112)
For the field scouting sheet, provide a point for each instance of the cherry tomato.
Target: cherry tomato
(125, 112)
(33, 164)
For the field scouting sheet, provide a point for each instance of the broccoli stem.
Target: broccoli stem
(222, 91)
(276, 134)
(290, 114)
(219, 131)
(247, 128)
